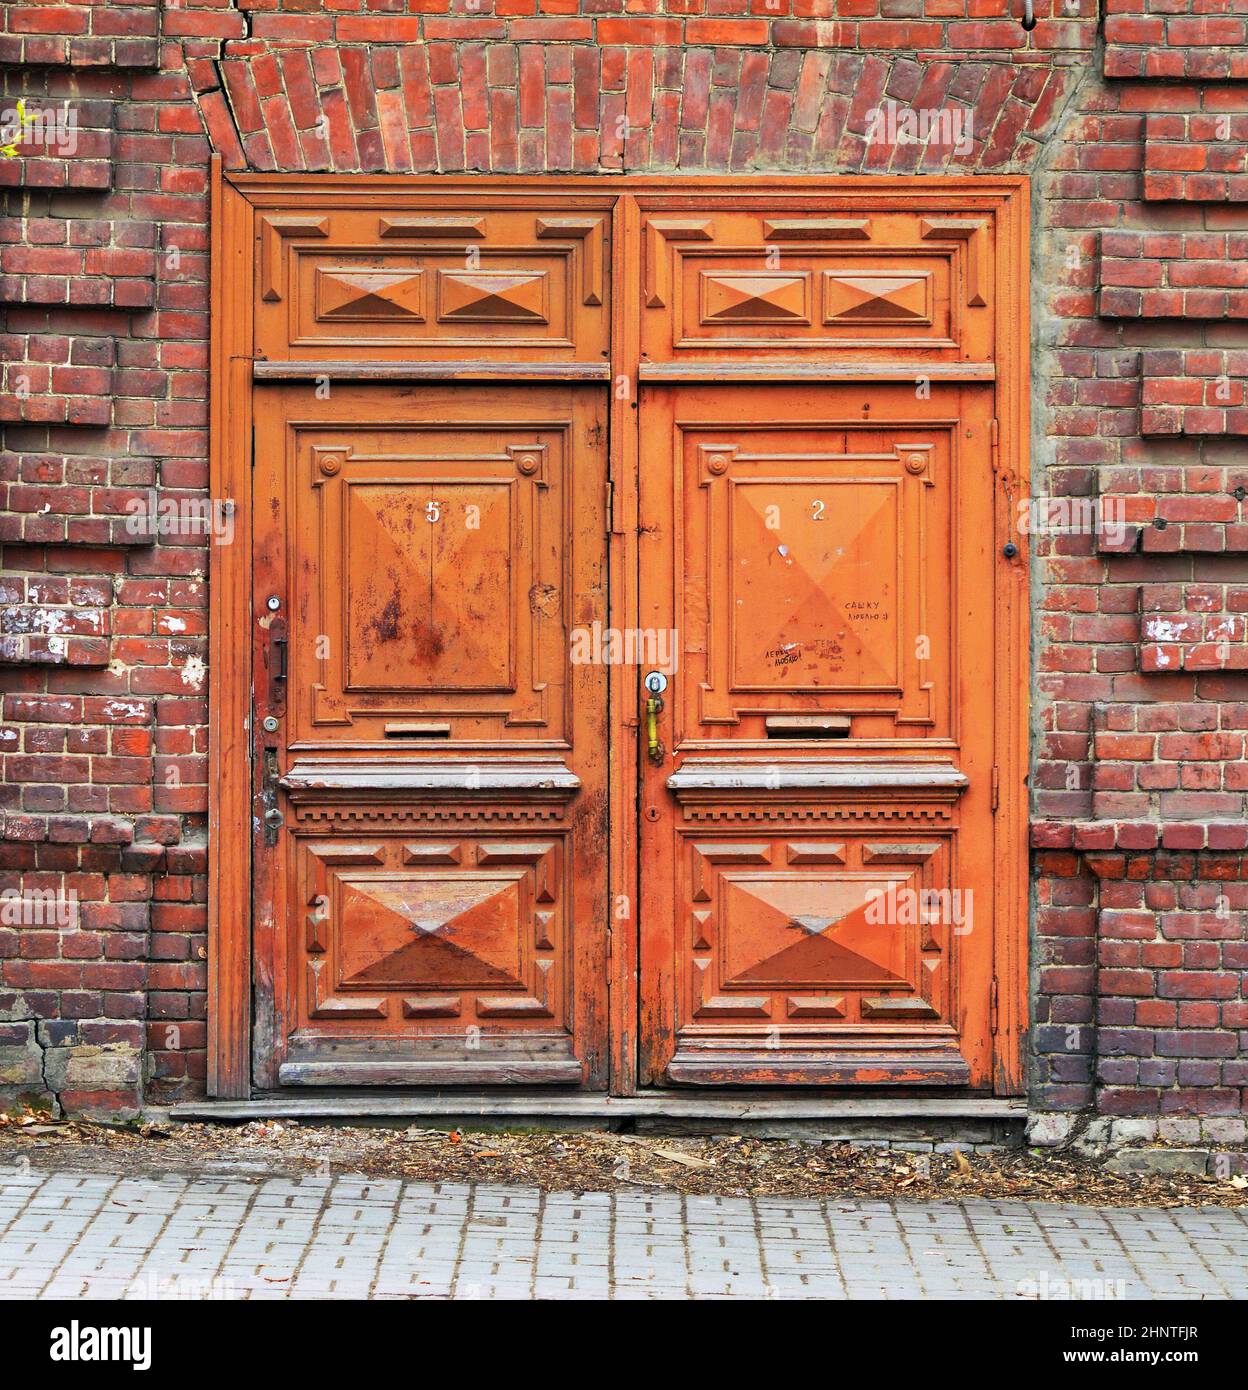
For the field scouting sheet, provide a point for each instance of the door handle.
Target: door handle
(654, 745)
(656, 683)
(278, 660)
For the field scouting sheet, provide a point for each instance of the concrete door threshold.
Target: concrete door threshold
(548, 1106)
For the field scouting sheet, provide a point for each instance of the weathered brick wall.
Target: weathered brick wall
(103, 264)
(1140, 944)
(1134, 125)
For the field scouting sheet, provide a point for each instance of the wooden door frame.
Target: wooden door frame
(233, 225)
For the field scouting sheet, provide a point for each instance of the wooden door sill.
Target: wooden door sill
(741, 1104)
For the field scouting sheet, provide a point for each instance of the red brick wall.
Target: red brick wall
(1140, 947)
(1139, 156)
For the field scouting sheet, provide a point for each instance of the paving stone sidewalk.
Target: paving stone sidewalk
(99, 1235)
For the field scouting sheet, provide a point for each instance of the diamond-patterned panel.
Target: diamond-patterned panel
(433, 928)
(807, 930)
(814, 600)
(764, 297)
(875, 297)
(429, 605)
(422, 931)
(492, 296)
(801, 928)
(365, 296)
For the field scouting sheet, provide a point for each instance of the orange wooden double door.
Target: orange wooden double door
(637, 633)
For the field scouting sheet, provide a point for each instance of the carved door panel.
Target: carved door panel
(430, 853)
(816, 834)
(458, 283)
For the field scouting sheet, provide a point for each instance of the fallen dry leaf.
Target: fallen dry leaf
(686, 1160)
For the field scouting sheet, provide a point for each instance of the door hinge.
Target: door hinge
(996, 445)
(996, 787)
(993, 997)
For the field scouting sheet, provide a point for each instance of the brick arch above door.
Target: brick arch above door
(613, 95)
